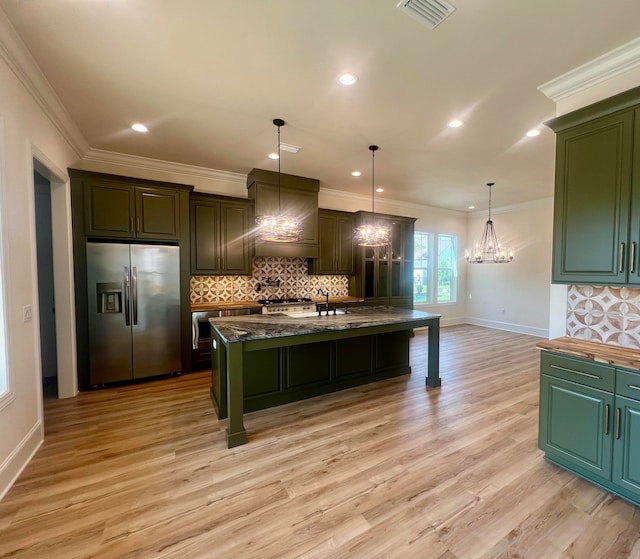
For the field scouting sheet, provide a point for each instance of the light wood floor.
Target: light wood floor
(388, 470)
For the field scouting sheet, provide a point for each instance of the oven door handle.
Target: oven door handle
(195, 333)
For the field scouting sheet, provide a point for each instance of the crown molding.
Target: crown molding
(598, 70)
(149, 164)
(14, 52)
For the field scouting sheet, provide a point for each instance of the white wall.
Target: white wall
(513, 296)
(27, 131)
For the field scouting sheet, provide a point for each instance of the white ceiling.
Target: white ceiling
(209, 76)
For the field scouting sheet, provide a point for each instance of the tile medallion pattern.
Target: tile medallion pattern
(292, 273)
(604, 314)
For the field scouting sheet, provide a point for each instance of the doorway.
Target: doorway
(46, 292)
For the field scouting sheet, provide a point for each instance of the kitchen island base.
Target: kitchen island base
(280, 375)
(270, 360)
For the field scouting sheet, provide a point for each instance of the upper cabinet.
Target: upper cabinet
(121, 209)
(335, 234)
(384, 275)
(296, 196)
(597, 193)
(220, 232)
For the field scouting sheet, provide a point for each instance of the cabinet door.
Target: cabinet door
(634, 231)
(575, 424)
(592, 197)
(234, 238)
(344, 246)
(626, 448)
(109, 209)
(157, 214)
(205, 237)
(327, 233)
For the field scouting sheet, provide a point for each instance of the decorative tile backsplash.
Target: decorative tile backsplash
(604, 314)
(292, 274)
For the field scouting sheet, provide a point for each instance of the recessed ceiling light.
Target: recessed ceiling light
(356, 173)
(347, 79)
(472, 207)
(533, 133)
(139, 127)
(455, 123)
(379, 189)
(273, 156)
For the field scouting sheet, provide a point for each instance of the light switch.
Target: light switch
(26, 313)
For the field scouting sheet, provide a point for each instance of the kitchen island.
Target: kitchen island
(260, 361)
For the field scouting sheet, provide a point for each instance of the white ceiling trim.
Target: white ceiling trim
(14, 52)
(598, 70)
(149, 164)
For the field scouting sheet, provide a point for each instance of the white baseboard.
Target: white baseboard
(518, 328)
(12, 467)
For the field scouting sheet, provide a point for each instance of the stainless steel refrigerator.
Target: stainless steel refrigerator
(134, 311)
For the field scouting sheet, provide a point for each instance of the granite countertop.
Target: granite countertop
(262, 326)
(602, 353)
(224, 305)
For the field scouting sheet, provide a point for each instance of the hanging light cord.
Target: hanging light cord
(373, 180)
(489, 184)
(277, 123)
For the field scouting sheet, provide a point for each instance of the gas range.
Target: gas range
(291, 305)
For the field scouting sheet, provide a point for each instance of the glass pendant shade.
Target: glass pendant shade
(372, 234)
(489, 250)
(279, 227)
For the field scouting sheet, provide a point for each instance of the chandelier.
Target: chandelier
(372, 234)
(280, 227)
(489, 250)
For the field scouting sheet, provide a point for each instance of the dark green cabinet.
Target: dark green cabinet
(335, 235)
(220, 235)
(297, 196)
(122, 210)
(589, 424)
(384, 275)
(597, 193)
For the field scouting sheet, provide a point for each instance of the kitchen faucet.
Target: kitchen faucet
(325, 294)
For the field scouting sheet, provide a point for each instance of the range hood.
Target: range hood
(298, 196)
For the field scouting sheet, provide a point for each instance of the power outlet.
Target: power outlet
(26, 313)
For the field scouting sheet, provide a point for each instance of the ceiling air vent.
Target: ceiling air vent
(428, 12)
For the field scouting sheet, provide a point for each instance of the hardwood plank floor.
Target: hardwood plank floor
(386, 470)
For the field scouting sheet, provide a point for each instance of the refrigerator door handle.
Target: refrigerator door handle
(127, 297)
(134, 293)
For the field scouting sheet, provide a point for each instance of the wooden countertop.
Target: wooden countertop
(602, 353)
(221, 305)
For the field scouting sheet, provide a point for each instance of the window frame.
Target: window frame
(433, 268)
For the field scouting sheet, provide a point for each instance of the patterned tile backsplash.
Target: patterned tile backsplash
(604, 314)
(291, 272)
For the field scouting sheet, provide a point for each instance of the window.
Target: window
(447, 269)
(435, 272)
(421, 252)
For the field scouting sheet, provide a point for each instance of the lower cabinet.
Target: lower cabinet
(590, 421)
(276, 376)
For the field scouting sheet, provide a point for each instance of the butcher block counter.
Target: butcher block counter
(260, 361)
(231, 305)
(594, 351)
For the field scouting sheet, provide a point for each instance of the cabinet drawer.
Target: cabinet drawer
(578, 370)
(628, 384)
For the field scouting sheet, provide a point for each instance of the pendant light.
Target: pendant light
(489, 250)
(372, 234)
(279, 227)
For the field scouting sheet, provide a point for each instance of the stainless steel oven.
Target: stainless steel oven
(201, 333)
